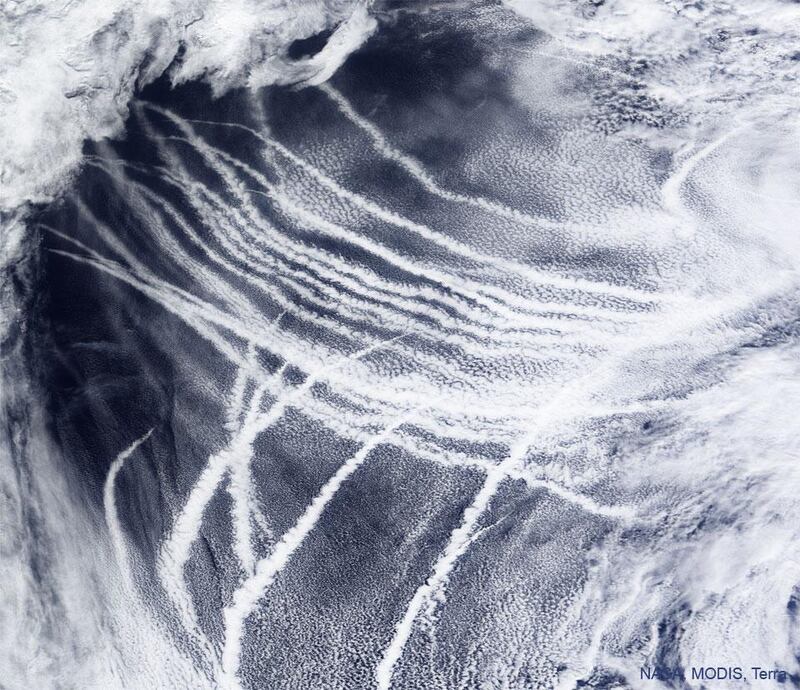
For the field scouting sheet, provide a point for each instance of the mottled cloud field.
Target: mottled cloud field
(470, 363)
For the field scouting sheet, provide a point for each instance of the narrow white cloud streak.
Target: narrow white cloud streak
(519, 311)
(456, 546)
(253, 589)
(110, 504)
(74, 621)
(529, 272)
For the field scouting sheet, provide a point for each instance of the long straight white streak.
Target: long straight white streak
(445, 242)
(240, 489)
(186, 311)
(174, 251)
(416, 170)
(236, 457)
(476, 291)
(138, 275)
(120, 547)
(241, 492)
(212, 284)
(176, 548)
(247, 596)
(435, 455)
(457, 544)
(431, 591)
(239, 248)
(146, 633)
(365, 301)
(179, 302)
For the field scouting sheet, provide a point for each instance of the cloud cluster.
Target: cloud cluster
(705, 59)
(69, 70)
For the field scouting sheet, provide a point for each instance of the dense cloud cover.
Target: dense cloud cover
(68, 71)
(706, 59)
(471, 365)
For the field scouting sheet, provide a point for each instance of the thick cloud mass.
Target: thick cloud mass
(68, 70)
(705, 59)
